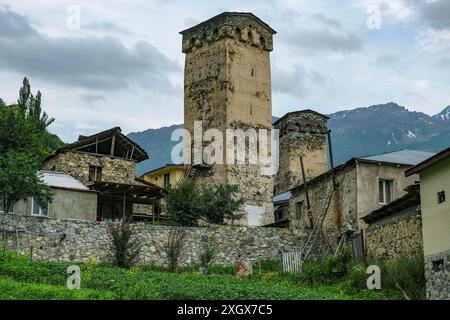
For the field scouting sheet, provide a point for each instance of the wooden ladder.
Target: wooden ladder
(307, 248)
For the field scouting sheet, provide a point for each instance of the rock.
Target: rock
(243, 269)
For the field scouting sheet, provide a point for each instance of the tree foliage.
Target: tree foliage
(125, 249)
(187, 204)
(23, 148)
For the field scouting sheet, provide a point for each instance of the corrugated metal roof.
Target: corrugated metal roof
(61, 180)
(404, 156)
(282, 196)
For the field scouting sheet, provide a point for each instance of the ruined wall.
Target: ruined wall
(228, 86)
(396, 236)
(77, 165)
(342, 208)
(302, 134)
(76, 240)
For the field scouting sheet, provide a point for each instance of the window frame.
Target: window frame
(383, 194)
(98, 172)
(166, 180)
(40, 209)
(439, 199)
(299, 207)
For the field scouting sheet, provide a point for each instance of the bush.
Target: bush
(207, 255)
(187, 204)
(173, 246)
(125, 250)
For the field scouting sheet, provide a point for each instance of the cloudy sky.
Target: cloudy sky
(120, 62)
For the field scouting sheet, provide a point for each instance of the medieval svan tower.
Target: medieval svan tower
(227, 85)
(302, 134)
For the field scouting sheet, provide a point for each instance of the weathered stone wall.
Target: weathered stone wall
(76, 240)
(397, 236)
(302, 134)
(342, 209)
(437, 274)
(227, 85)
(77, 165)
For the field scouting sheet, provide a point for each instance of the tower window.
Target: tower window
(262, 42)
(441, 197)
(216, 32)
(193, 41)
(238, 33)
(250, 36)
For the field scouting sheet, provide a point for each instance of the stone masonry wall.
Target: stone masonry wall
(77, 165)
(76, 240)
(437, 274)
(342, 209)
(396, 237)
(302, 134)
(227, 85)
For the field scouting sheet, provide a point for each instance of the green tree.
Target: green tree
(22, 149)
(187, 204)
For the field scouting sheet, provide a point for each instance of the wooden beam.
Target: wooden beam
(113, 144)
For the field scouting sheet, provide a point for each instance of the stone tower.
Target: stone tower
(302, 134)
(227, 85)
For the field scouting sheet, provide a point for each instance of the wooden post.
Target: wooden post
(308, 203)
(113, 143)
(124, 206)
(331, 159)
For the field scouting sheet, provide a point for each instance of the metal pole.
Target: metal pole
(331, 159)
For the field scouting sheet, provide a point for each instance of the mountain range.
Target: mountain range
(354, 133)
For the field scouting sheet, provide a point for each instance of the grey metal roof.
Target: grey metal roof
(404, 156)
(285, 196)
(61, 180)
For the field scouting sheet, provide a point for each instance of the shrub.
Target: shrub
(173, 247)
(125, 249)
(207, 255)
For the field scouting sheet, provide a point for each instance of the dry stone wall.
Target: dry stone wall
(77, 165)
(396, 237)
(76, 240)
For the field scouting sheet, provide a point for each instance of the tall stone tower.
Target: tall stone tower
(302, 134)
(227, 85)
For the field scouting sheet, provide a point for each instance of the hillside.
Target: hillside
(357, 132)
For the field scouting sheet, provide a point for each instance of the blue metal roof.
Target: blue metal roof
(285, 196)
(404, 156)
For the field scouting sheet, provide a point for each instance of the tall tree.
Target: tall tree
(22, 149)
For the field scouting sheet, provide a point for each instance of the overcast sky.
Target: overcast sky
(123, 66)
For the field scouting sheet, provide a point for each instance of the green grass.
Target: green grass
(22, 279)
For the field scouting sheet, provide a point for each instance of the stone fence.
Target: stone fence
(77, 240)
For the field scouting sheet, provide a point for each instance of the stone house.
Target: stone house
(105, 162)
(434, 196)
(362, 185)
(395, 230)
(71, 199)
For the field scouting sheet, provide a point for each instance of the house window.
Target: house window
(299, 210)
(95, 173)
(441, 197)
(166, 180)
(385, 191)
(3, 204)
(36, 210)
